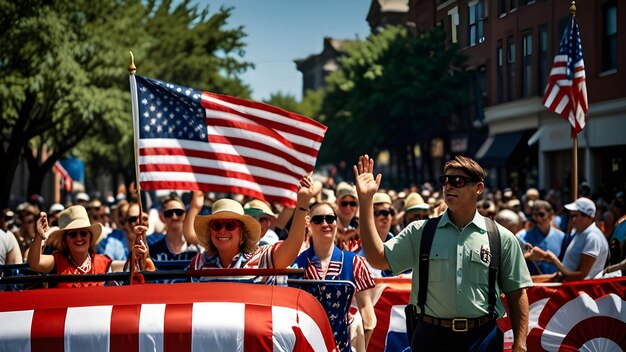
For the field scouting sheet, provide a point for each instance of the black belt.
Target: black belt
(457, 324)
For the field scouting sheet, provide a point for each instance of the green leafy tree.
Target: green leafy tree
(63, 85)
(393, 91)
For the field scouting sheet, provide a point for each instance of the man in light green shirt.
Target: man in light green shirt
(458, 265)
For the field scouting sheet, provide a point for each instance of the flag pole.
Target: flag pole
(134, 266)
(572, 11)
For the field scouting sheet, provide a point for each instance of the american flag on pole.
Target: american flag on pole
(195, 140)
(566, 93)
(65, 176)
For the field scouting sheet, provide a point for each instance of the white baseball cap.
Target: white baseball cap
(583, 205)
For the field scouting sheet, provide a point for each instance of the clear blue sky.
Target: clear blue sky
(280, 31)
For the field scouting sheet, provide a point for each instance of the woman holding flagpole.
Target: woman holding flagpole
(231, 238)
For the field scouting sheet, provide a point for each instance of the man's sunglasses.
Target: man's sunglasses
(455, 180)
(169, 212)
(384, 212)
(229, 225)
(540, 215)
(73, 234)
(345, 203)
(319, 219)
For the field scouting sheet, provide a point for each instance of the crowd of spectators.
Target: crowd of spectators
(561, 240)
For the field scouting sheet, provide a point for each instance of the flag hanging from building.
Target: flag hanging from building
(65, 176)
(566, 92)
(193, 140)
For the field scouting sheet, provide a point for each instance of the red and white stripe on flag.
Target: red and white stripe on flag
(65, 176)
(566, 92)
(195, 140)
(177, 317)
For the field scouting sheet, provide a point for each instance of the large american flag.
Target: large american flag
(566, 93)
(195, 140)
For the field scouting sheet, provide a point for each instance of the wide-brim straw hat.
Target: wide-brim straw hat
(226, 209)
(415, 202)
(74, 218)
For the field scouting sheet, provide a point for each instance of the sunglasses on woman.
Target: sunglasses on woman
(345, 203)
(319, 219)
(456, 181)
(169, 212)
(229, 225)
(384, 212)
(73, 234)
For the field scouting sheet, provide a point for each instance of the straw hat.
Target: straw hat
(415, 202)
(226, 209)
(381, 198)
(73, 218)
(345, 189)
(260, 206)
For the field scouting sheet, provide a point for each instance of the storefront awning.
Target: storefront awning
(497, 149)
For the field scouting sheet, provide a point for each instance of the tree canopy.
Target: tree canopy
(391, 92)
(63, 78)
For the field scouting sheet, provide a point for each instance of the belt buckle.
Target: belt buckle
(459, 321)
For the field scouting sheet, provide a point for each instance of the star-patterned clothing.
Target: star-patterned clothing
(344, 265)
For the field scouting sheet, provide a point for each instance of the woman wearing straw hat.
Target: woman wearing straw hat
(74, 242)
(231, 238)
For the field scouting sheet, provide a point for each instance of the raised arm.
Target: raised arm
(41, 263)
(366, 187)
(197, 202)
(287, 252)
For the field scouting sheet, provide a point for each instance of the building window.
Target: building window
(543, 59)
(609, 36)
(512, 5)
(502, 9)
(454, 24)
(476, 18)
(527, 66)
(500, 70)
(510, 67)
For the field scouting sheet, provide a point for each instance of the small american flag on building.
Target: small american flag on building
(192, 140)
(566, 93)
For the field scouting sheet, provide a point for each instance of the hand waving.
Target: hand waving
(366, 184)
(42, 225)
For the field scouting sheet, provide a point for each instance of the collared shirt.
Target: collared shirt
(590, 242)
(459, 266)
(552, 242)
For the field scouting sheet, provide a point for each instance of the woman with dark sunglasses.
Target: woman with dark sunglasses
(231, 238)
(74, 242)
(325, 261)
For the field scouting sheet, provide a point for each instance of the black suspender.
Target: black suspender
(494, 264)
(426, 242)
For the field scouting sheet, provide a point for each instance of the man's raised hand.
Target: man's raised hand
(366, 184)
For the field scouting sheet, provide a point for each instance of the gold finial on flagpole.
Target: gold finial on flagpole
(572, 8)
(132, 68)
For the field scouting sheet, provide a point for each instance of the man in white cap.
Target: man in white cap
(588, 249)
